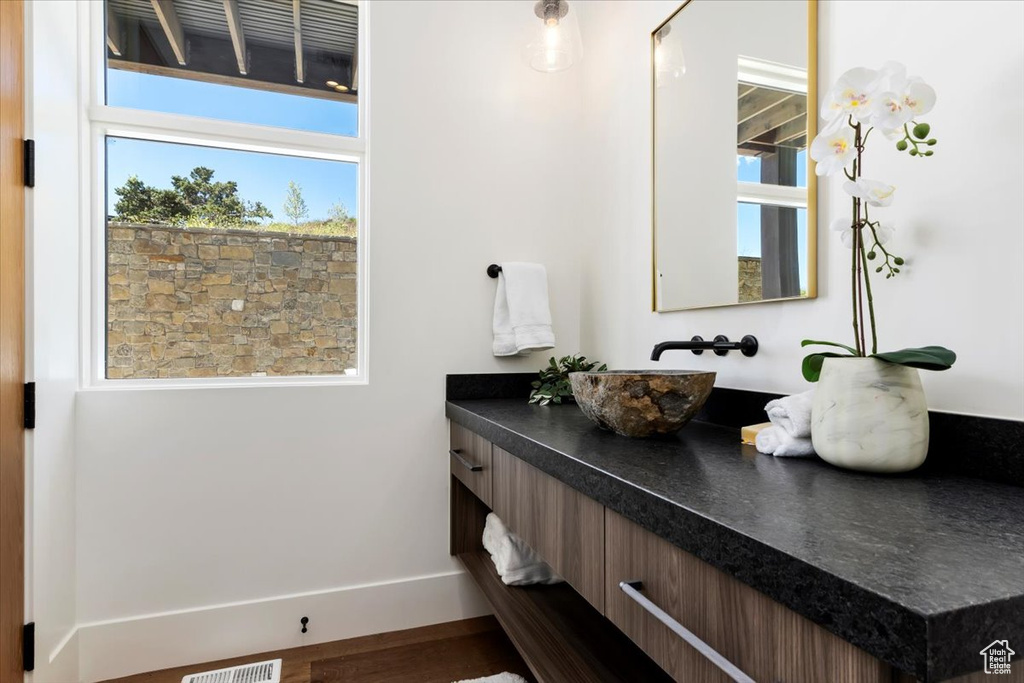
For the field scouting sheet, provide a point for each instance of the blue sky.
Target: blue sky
(748, 216)
(260, 177)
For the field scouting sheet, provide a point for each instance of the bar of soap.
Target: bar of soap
(748, 434)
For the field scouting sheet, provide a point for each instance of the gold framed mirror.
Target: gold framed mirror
(734, 108)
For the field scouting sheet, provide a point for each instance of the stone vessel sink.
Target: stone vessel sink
(641, 403)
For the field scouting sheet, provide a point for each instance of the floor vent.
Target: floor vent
(260, 672)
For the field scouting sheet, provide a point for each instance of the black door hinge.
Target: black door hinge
(30, 405)
(30, 163)
(28, 646)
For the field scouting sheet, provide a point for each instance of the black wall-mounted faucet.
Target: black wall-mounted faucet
(721, 346)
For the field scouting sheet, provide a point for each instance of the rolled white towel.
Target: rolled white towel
(792, 414)
(777, 441)
(516, 563)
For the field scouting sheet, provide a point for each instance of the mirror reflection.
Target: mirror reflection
(733, 201)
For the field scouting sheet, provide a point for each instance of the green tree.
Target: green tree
(195, 200)
(341, 221)
(294, 205)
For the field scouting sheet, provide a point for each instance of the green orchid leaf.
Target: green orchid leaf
(813, 342)
(812, 364)
(924, 358)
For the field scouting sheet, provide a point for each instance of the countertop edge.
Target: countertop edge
(754, 563)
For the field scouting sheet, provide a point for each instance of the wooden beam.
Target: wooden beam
(237, 36)
(758, 101)
(771, 119)
(115, 39)
(354, 85)
(300, 71)
(253, 84)
(788, 131)
(169, 21)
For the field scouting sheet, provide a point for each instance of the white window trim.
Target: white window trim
(99, 121)
(772, 195)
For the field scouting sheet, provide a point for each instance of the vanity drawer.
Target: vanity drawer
(470, 456)
(565, 527)
(763, 639)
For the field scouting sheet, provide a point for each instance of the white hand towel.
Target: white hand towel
(777, 441)
(504, 677)
(792, 414)
(516, 563)
(522, 318)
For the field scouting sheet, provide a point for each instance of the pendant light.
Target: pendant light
(555, 44)
(669, 61)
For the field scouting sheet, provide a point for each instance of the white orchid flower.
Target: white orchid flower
(884, 232)
(844, 227)
(832, 149)
(902, 100)
(852, 95)
(873, 192)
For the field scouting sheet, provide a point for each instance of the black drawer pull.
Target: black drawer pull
(457, 454)
(633, 588)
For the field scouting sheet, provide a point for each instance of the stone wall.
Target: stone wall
(205, 303)
(750, 278)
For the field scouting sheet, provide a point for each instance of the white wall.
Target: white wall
(958, 214)
(207, 517)
(52, 328)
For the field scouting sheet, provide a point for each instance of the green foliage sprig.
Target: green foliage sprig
(554, 385)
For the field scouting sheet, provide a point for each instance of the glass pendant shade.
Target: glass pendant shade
(669, 61)
(554, 43)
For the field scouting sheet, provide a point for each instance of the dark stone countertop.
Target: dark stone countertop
(920, 570)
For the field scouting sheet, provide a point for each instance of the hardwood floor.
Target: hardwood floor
(435, 661)
(438, 653)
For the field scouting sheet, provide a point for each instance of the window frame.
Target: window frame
(100, 121)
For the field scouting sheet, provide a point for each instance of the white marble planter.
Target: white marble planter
(870, 415)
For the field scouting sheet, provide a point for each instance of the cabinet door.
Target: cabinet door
(470, 456)
(565, 527)
(763, 639)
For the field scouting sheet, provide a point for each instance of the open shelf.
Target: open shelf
(559, 635)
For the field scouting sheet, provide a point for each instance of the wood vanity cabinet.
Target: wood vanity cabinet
(566, 640)
(765, 640)
(565, 527)
(470, 456)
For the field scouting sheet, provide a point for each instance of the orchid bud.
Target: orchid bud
(921, 131)
(895, 270)
(878, 269)
(932, 141)
(929, 153)
(913, 152)
(871, 256)
(901, 145)
(898, 261)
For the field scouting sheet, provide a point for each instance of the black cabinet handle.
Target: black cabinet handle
(457, 454)
(633, 588)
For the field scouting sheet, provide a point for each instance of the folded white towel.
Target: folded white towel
(777, 441)
(504, 677)
(522, 318)
(792, 414)
(516, 563)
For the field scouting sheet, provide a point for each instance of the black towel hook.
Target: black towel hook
(493, 270)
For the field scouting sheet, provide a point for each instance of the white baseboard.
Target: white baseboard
(60, 665)
(110, 649)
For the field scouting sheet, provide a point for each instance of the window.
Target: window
(229, 212)
(771, 172)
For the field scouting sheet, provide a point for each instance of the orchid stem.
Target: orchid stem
(871, 301)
